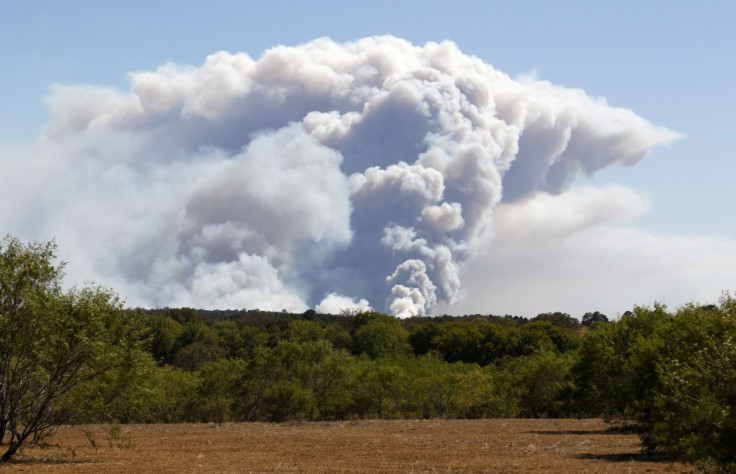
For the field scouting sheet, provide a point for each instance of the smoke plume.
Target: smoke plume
(325, 175)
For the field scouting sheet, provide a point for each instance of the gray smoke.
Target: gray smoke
(322, 175)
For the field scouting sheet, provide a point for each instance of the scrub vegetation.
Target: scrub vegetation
(77, 358)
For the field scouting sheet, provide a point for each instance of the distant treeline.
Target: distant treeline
(188, 338)
(672, 375)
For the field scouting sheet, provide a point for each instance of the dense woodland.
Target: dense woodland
(669, 374)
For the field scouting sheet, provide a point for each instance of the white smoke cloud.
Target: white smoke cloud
(326, 174)
(337, 304)
(574, 253)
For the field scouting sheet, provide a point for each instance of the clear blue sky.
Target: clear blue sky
(671, 62)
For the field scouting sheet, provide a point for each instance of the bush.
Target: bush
(537, 384)
(673, 374)
(693, 412)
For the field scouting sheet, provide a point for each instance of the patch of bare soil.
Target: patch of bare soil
(498, 446)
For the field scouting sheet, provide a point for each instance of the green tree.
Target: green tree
(378, 387)
(615, 373)
(124, 393)
(193, 356)
(197, 344)
(312, 381)
(538, 382)
(542, 335)
(164, 331)
(216, 391)
(589, 319)
(476, 394)
(338, 336)
(379, 335)
(692, 412)
(304, 331)
(460, 342)
(175, 396)
(438, 389)
(559, 319)
(51, 341)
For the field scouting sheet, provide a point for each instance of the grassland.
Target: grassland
(497, 446)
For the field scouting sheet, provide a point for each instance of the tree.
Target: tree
(616, 368)
(51, 341)
(590, 319)
(218, 380)
(559, 319)
(174, 399)
(538, 382)
(379, 335)
(438, 389)
(165, 332)
(123, 394)
(304, 331)
(691, 413)
(378, 387)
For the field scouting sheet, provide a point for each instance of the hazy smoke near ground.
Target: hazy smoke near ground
(324, 175)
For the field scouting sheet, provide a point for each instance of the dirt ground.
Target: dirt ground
(497, 446)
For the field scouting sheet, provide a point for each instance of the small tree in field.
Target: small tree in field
(50, 341)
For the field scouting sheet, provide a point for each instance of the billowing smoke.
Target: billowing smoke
(325, 175)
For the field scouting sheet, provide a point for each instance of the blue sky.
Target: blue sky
(671, 62)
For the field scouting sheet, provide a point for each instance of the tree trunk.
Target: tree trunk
(12, 448)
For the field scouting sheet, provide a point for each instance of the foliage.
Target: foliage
(77, 356)
(615, 371)
(175, 395)
(674, 374)
(537, 384)
(670, 373)
(378, 335)
(589, 319)
(122, 394)
(693, 412)
(378, 388)
(486, 343)
(51, 341)
(559, 319)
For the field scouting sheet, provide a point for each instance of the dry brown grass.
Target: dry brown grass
(498, 446)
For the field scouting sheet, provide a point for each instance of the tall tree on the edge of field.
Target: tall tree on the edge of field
(50, 341)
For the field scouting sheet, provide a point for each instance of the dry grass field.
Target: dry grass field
(497, 446)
